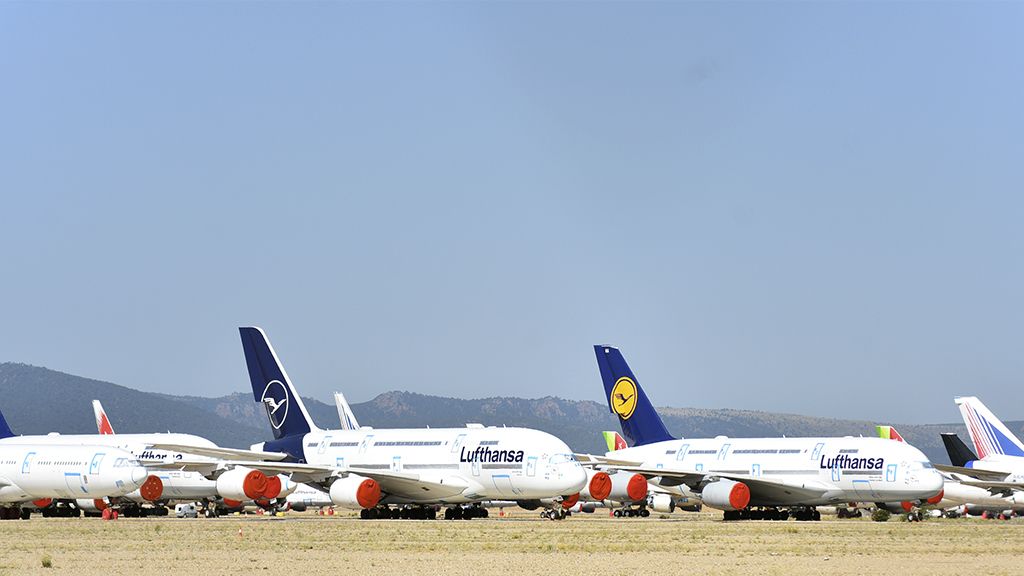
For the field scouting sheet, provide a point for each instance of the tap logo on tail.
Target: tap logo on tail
(277, 410)
(624, 397)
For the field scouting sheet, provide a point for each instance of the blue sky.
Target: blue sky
(801, 207)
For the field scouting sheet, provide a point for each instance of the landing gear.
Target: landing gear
(632, 513)
(554, 513)
(10, 513)
(771, 514)
(401, 513)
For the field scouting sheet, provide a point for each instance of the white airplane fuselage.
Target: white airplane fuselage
(488, 463)
(33, 471)
(845, 469)
(177, 485)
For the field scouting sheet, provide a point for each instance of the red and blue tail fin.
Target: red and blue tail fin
(272, 387)
(639, 420)
(990, 436)
(102, 423)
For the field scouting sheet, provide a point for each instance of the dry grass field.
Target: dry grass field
(300, 544)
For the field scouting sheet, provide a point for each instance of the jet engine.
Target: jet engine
(628, 487)
(599, 486)
(97, 505)
(355, 492)
(241, 484)
(152, 489)
(663, 503)
(726, 495)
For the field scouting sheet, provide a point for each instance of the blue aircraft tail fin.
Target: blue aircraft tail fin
(272, 387)
(639, 420)
(5, 430)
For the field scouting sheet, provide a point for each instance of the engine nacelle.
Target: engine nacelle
(97, 505)
(152, 489)
(356, 492)
(569, 501)
(726, 495)
(584, 507)
(599, 486)
(241, 484)
(663, 503)
(628, 487)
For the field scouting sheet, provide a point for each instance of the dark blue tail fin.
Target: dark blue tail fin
(5, 430)
(272, 388)
(639, 420)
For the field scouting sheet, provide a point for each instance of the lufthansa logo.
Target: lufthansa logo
(623, 398)
(277, 410)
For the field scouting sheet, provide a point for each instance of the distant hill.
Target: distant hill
(38, 400)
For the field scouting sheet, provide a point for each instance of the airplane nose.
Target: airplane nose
(139, 475)
(577, 477)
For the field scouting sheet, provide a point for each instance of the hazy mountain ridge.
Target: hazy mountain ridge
(38, 400)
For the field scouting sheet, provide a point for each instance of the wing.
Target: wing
(988, 475)
(401, 485)
(763, 491)
(996, 488)
(221, 453)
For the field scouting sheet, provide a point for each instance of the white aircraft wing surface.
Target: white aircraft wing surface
(762, 490)
(1004, 488)
(221, 453)
(972, 472)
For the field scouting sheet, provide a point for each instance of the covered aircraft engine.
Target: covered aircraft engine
(355, 492)
(599, 486)
(241, 484)
(726, 495)
(569, 501)
(663, 503)
(152, 489)
(273, 489)
(97, 505)
(628, 487)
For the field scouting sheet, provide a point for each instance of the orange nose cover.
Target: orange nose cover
(570, 501)
(43, 502)
(229, 503)
(937, 498)
(600, 486)
(636, 488)
(368, 493)
(254, 484)
(152, 489)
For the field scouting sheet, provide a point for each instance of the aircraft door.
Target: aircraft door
(755, 470)
(339, 462)
(476, 467)
(531, 466)
(365, 443)
(890, 473)
(837, 472)
(723, 451)
(396, 464)
(459, 440)
(324, 444)
(94, 466)
(26, 465)
(73, 481)
(817, 450)
(681, 453)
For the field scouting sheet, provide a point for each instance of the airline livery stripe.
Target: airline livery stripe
(986, 429)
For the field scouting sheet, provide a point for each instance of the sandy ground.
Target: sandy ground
(520, 544)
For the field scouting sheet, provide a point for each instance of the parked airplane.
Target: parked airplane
(414, 469)
(39, 472)
(758, 478)
(191, 486)
(1000, 467)
(957, 491)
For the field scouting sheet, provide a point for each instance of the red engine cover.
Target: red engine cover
(273, 489)
(368, 493)
(152, 489)
(254, 484)
(600, 486)
(570, 501)
(636, 488)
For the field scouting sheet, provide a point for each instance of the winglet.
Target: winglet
(626, 399)
(102, 423)
(272, 387)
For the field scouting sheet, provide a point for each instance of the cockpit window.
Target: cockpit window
(561, 458)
